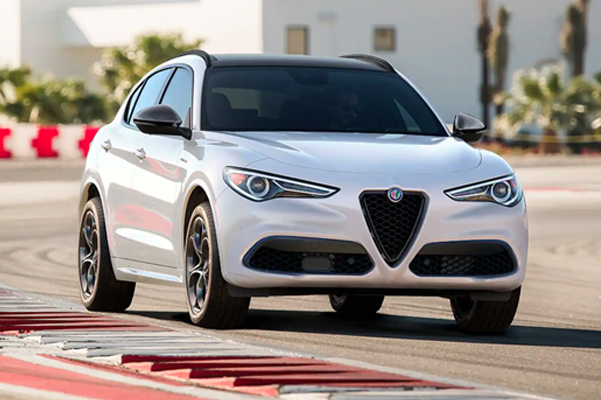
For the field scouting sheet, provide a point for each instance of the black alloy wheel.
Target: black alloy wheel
(209, 302)
(99, 289)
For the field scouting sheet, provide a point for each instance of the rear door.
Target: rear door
(127, 221)
(159, 180)
(116, 164)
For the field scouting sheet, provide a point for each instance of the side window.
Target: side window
(132, 104)
(150, 92)
(179, 94)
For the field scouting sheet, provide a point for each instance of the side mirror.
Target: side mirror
(161, 120)
(468, 128)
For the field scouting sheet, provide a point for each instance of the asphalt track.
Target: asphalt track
(554, 347)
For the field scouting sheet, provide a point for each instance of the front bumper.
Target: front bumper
(241, 224)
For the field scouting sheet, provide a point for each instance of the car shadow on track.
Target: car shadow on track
(401, 327)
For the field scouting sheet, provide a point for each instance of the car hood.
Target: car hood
(363, 152)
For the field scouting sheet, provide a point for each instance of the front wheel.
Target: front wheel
(485, 317)
(351, 306)
(209, 303)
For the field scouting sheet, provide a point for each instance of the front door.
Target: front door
(158, 182)
(126, 220)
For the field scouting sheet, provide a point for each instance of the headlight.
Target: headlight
(506, 191)
(258, 186)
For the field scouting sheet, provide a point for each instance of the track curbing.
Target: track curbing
(63, 334)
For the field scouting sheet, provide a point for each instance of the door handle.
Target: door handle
(106, 145)
(140, 153)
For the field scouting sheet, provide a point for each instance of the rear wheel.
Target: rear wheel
(485, 317)
(352, 306)
(209, 303)
(99, 289)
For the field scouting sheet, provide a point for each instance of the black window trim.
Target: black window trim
(131, 106)
(132, 126)
(190, 71)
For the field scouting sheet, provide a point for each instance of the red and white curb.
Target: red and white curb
(29, 141)
(49, 350)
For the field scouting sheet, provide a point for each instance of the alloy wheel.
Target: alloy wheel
(198, 259)
(88, 255)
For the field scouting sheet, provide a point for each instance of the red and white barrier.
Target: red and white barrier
(27, 141)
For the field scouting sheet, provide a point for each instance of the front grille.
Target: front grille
(274, 260)
(392, 225)
(499, 263)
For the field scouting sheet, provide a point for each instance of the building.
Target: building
(432, 41)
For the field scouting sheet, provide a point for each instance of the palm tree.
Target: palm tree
(498, 56)
(53, 101)
(542, 98)
(574, 36)
(11, 78)
(483, 33)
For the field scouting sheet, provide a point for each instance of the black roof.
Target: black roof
(259, 60)
(357, 61)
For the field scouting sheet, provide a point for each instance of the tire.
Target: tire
(98, 287)
(485, 317)
(209, 303)
(356, 307)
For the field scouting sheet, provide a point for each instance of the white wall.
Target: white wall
(436, 39)
(10, 37)
(42, 46)
(66, 37)
(231, 26)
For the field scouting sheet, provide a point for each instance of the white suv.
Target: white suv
(249, 175)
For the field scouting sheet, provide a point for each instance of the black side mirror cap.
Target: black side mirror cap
(468, 128)
(161, 120)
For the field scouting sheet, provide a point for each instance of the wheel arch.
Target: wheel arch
(196, 196)
(89, 190)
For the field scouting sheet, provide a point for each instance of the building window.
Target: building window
(384, 39)
(298, 40)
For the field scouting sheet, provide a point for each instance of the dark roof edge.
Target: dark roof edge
(377, 61)
(200, 53)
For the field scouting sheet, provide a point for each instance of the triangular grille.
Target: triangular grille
(392, 225)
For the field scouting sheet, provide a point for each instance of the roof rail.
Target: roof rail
(200, 53)
(377, 61)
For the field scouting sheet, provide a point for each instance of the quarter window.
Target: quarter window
(298, 40)
(132, 103)
(179, 94)
(385, 39)
(149, 95)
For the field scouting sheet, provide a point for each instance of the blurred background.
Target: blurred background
(529, 69)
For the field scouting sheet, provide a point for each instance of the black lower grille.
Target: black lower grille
(275, 260)
(392, 225)
(499, 263)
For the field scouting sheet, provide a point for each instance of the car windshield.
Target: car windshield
(314, 100)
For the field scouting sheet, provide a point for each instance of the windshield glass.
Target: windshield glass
(315, 100)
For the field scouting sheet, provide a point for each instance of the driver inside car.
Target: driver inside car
(343, 110)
